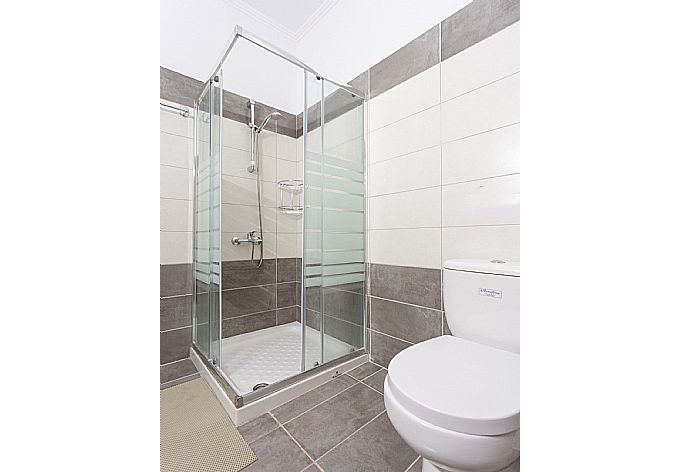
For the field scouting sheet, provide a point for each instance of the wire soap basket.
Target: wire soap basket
(291, 196)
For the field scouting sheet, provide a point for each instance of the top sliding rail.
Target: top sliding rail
(244, 34)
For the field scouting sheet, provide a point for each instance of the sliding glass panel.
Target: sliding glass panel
(343, 214)
(201, 328)
(215, 210)
(335, 221)
(206, 254)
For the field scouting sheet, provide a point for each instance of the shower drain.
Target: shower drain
(259, 385)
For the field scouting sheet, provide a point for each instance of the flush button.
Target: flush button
(498, 261)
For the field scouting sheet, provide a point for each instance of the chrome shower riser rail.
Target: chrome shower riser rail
(246, 35)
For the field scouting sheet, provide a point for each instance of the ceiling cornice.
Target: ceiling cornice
(315, 18)
(295, 36)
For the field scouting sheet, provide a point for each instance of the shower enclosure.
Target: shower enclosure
(279, 221)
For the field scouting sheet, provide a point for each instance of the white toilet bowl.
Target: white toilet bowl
(456, 403)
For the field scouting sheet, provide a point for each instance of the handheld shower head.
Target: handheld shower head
(274, 115)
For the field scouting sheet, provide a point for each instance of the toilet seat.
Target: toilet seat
(459, 385)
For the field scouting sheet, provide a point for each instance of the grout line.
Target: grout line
(405, 303)
(353, 433)
(399, 339)
(402, 155)
(175, 329)
(176, 296)
(324, 401)
(413, 463)
(480, 87)
(280, 426)
(176, 167)
(172, 362)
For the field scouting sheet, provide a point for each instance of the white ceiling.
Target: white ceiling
(338, 38)
(293, 18)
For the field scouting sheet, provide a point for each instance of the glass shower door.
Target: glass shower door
(206, 251)
(334, 234)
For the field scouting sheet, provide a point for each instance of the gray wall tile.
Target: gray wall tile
(248, 323)
(179, 88)
(238, 274)
(287, 294)
(411, 323)
(175, 344)
(287, 315)
(349, 333)
(384, 348)
(182, 89)
(361, 83)
(175, 312)
(177, 370)
(416, 56)
(476, 22)
(242, 301)
(176, 279)
(287, 269)
(415, 285)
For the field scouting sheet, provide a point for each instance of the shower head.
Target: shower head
(274, 115)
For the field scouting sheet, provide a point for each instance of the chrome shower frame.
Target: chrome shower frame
(237, 399)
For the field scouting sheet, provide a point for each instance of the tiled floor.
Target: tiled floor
(340, 426)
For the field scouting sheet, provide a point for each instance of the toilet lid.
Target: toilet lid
(459, 385)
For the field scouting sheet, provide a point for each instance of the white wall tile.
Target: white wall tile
(489, 154)
(414, 209)
(174, 123)
(236, 161)
(287, 245)
(410, 134)
(236, 135)
(176, 150)
(419, 247)
(286, 170)
(176, 247)
(493, 201)
(482, 242)
(242, 191)
(287, 147)
(343, 128)
(288, 223)
(175, 183)
(490, 107)
(176, 215)
(412, 171)
(240, 219)
(496, 57)
(243, 251)
(268, 143)
(414, 95)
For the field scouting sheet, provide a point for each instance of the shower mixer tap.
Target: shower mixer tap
(251, 238)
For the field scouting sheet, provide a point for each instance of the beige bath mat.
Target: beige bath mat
(197, 434)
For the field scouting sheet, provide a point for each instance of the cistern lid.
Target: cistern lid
(459, 385)
(484, 266)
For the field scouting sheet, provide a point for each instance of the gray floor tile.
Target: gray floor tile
(257, 428)
(376, 381)
(323, 427)
(299, 405)
(376, 447)
(364, 370)
(276, 451)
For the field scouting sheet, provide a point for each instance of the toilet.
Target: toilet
(456, 399)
